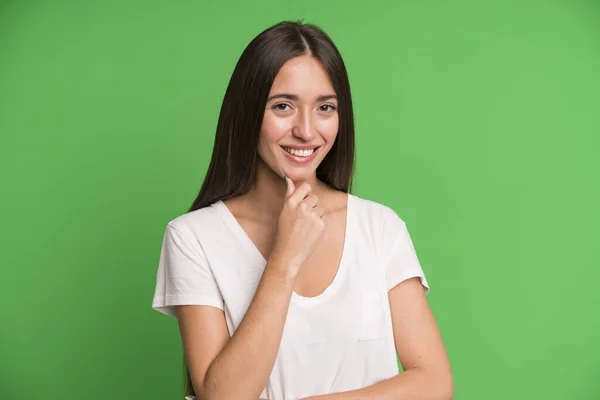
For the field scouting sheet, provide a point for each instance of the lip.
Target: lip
(301, 160)
(302, 147)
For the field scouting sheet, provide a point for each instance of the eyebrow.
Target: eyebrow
(294, 97)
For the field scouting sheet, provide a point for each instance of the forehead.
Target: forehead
(302, 75)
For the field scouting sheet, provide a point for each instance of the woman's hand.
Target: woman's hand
(300, 226)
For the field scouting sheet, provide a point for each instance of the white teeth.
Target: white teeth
(299, 153)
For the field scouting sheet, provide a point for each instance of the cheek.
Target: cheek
(273, 129)
(328, 128)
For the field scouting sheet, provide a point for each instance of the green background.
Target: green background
(477, 122)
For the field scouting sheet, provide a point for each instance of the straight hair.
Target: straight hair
(232, 167)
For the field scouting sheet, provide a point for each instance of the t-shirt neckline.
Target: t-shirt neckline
(239, 232)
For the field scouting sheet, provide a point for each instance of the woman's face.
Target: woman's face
(301, 119)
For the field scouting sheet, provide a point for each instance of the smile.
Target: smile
(300, 156)
(300, 153)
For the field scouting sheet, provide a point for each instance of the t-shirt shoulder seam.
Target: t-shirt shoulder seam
(197, 247)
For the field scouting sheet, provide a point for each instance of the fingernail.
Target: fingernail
(285, 180)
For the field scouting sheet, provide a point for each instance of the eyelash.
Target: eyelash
(333, 108)
(276, 106)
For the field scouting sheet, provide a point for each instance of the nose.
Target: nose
(304, 127)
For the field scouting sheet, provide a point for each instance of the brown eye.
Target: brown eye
(327, 107)
(280, 107)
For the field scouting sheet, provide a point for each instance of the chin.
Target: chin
(301, 176)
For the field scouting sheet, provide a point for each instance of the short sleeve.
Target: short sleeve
(401, 261)
(184, 276)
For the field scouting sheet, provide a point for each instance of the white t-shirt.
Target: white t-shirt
(338, 341)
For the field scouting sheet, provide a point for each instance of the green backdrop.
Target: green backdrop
(477, 122)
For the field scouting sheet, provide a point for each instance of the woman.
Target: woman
(284, 285)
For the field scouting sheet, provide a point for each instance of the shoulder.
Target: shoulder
(195, 224)
(377, 214)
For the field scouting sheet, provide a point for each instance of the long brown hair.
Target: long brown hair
(233, 164)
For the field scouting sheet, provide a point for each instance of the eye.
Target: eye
(327, 107)
(281, 107)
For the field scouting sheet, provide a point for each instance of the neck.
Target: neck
(268, 194)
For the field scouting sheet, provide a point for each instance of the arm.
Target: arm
(427, 373)
(237, 367)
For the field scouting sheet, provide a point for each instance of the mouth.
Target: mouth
(300, 155)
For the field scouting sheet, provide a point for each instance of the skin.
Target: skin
(309, 119)
(299, 230)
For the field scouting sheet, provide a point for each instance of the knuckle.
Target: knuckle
(303, 207)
